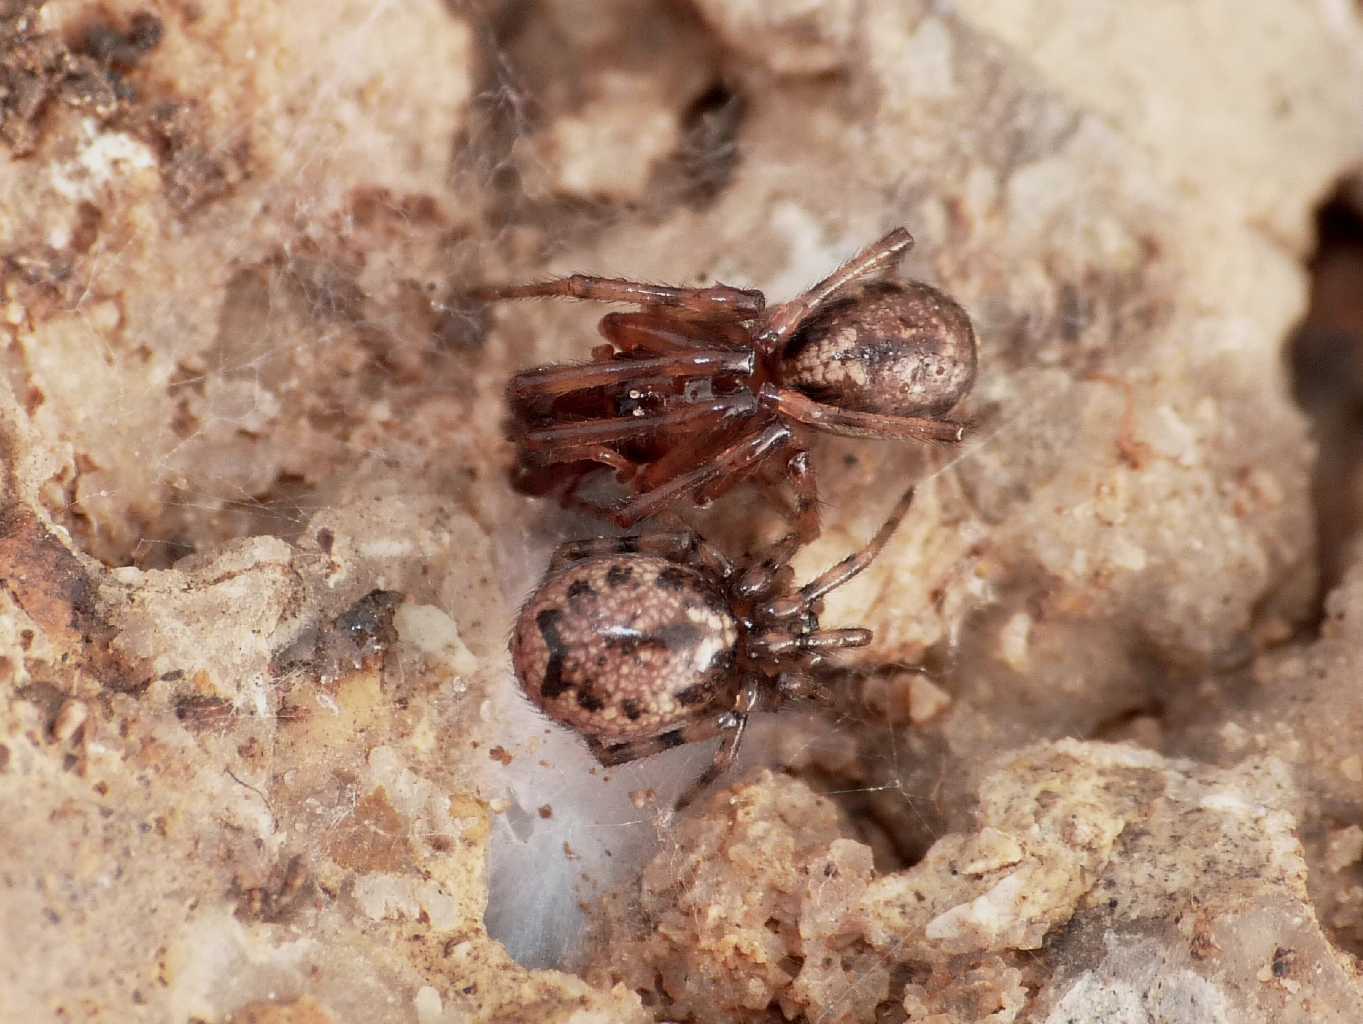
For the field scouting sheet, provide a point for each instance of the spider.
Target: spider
(644, 643)
(704, 387)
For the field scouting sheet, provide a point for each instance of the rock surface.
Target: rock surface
(1152, 886)
(261, 757)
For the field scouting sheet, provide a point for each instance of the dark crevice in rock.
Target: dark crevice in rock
(1326, 361)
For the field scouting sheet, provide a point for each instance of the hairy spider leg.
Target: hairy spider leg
(801, 476)
(837, 575)
(585, 452)
(800, 686)
(783, 320)
(701, 430)
(683, 546)
(804, 511)
(849, 423)
(735, 723)
(662, 333)
(761, 578)
(554, 381)
(781, 644)
(696, 731)
(565, 443)
(740, 303)
(722, 485)
(741, 457)
(697, 451)
(773, 481)
(796, 471)
(730, 724)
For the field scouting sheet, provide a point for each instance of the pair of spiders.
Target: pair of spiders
(645, 642)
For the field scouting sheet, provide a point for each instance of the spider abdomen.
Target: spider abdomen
(623, 646)
(892, 348)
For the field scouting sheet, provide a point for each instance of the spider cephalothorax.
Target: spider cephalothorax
(705, 387)
(644, 643)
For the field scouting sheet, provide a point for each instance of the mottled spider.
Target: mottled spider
(648, 642)
(704, 387)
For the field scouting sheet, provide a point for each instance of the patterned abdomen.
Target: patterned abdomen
(621, 646)
(897, 349)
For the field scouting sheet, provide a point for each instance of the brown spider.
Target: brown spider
(645, 643)
(704, 387)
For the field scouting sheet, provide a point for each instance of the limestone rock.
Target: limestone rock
(1100, 880)
(261, 755)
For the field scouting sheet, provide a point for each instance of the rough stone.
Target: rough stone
(261, 756)
(1100, 880)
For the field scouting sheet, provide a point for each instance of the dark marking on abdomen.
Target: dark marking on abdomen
(628, 643)
(618, 575)
(547, 621)
(697, 693)
(672, 578)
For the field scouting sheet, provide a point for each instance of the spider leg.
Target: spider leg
(624, 468)
(737, 724)
(697, 450)
(837, 575)
(803, 688)
(771, 479)
(740, 457)
(778, 645)
(611, 754)
(562, 444)
(782, 320)
(739, 303)
(737, 721)
(685, 546)
(801, 476)
(761, 579)
(662, 333)
(764, 577)
(795, 468)
(732, 724)
(552, 381)
(850, 423)
(549, 480)
(695, 731)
